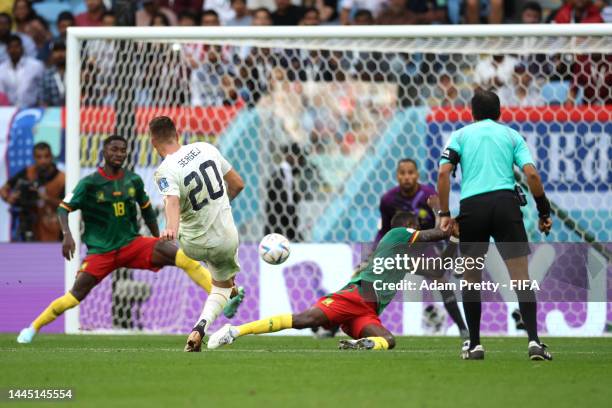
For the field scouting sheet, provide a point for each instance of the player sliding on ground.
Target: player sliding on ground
(107, 199)
(192, 179)
(357, 306)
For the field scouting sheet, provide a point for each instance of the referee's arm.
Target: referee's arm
(443, 193)
(537, 190)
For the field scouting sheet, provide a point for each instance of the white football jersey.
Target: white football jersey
(195, 173)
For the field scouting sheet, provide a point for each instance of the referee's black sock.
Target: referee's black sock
(529, 309)
(472, 309)
(450, 303)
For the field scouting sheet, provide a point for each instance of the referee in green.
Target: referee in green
(490, 207)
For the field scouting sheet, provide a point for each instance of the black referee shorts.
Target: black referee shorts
(495, 214)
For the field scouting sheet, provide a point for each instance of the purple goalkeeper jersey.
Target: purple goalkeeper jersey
(393, 201)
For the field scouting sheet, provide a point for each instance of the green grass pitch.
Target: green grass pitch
(270, 371)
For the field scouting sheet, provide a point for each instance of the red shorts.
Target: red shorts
(135, 255)
(347, 309)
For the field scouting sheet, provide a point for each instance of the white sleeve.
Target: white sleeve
(167, 181)
(225, 165)
(347, 4)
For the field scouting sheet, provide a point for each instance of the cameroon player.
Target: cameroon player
(107, 199)
(357, 306)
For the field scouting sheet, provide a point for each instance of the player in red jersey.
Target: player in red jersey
(108, 200)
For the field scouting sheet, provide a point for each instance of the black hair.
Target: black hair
(112, 138)
(533, 5)
(407, 160)
(41, 20)
(164, 18)
(404, 219)
(65, 15)
(485, 105)
(209, 12)
(190, 14)
(15, 38)
(110, 13)
(162, 128)
(8, 17)
(42, 146)
(363, 13)
(262, 10)
(58, 45)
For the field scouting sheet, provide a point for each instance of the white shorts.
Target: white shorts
(222, 260)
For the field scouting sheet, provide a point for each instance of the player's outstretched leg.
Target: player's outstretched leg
(310, 318)
(372, 337)
(166, 253)
(82, 286)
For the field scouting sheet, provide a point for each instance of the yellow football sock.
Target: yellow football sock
(199, 274)
(269, 325)
(56, 308)
(380, 343)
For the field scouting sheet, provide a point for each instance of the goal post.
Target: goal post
(345, 103)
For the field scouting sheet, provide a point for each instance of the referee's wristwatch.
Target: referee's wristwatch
(444, 213)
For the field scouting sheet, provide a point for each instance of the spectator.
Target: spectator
(109, 19)
(287, 14)
(373, 6)
(523, 91)
(20, 76)
(282, 195)
(210, 18)
(5, 34)
(429, 11)
(446, 91)
(311, 17)
(34, 194)
(262, 17)
(605, 9)
(151, 8)
(23, 14)
(532, 13)
(578, 11)
(396, 13)
(187, 18)
(363, 17)
(93, 16)
(160, 20)
(53, 90)
(180, 6)
(241, 16)
(328, 9)
(494, 71)
(473, 10)
(4, 100)
(64, 20)
(38, 30)
(222, 8)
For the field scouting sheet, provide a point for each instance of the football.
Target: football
(274, 249)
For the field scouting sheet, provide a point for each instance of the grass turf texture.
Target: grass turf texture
(150, 371)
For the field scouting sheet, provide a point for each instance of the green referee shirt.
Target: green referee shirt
(488, 151)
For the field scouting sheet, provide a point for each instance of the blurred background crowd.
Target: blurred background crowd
(33, 51)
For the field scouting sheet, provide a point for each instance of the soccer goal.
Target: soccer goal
(315, 120)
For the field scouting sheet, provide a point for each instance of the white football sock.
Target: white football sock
(216, 301)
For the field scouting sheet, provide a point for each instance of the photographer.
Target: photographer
(34, 194)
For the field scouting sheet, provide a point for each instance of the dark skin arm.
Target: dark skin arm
(153, 227)
(68, 245)
(443, 193)
(537, 190)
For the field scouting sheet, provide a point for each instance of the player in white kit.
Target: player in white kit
(197, 184)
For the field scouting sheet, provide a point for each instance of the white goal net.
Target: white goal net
(315, 125)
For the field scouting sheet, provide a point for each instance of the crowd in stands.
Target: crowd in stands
(33, 34)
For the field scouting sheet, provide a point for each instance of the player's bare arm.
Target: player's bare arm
(172, 212)
(68, 245)
(235, 184)
(432, 235)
